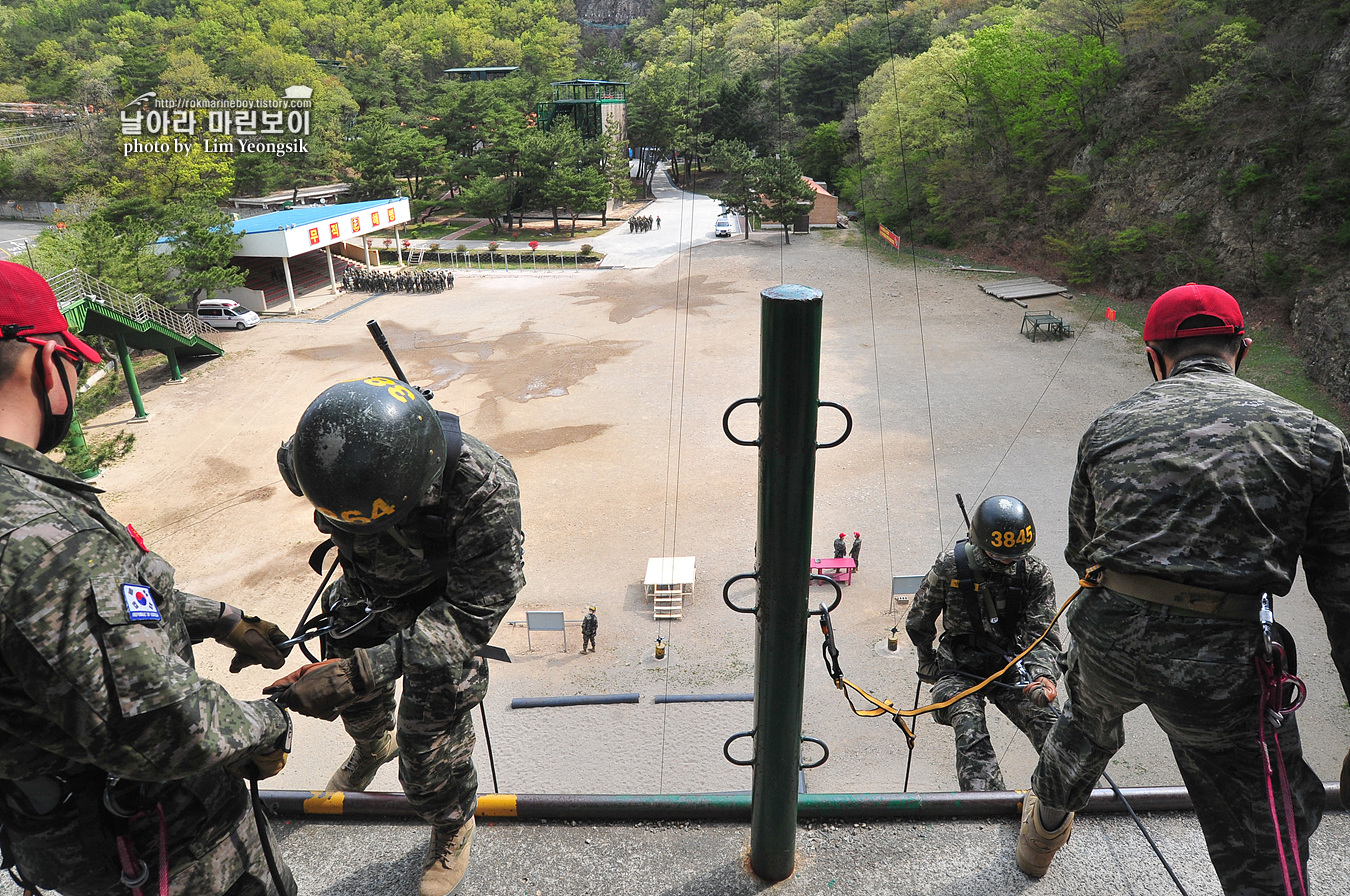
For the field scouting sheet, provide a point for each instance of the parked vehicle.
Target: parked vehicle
(722, 227)
(224, 314)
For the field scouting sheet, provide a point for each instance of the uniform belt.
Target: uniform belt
(1183, 600)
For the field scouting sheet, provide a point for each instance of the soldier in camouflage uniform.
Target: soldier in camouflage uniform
(589, 626)
(1195, 496)
(426, 521)
(1006, 602)
(96, 665)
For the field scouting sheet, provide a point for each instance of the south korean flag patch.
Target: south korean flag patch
(140, 603)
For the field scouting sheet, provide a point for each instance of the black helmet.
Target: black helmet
(1002, 526)
(365, 452)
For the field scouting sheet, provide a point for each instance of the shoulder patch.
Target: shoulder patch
(140, 603)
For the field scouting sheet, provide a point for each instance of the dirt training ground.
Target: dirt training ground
(606, 390)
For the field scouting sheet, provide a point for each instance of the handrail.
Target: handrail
(75, 285)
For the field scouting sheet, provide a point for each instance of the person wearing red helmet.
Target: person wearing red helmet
(1191, 504)
(116, 757)
(840, 546)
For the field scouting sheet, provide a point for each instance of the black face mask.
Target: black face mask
(54, 427)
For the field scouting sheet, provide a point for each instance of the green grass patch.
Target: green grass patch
(541, 236)
(1271, 363)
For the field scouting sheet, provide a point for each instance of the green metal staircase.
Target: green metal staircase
(94, 308)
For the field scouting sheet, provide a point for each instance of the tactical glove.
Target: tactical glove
(1345, 782)
(254, 640)
(929, 671)
(259, 766)
(1042, 691)
(323, 690)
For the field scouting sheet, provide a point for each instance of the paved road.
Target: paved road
(13, 235)
(686, 220)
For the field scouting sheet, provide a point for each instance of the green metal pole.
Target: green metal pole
(81, 447)
(175, 374)
(790, 322)
(124, 356)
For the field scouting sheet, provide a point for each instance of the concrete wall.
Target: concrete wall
(27, 210)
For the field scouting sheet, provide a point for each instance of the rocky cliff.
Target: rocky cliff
(607, 19)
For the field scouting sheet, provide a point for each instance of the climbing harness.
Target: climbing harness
(135, 872)
(1282, 692)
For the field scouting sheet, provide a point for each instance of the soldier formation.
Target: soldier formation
(642, 223)
(359, 278)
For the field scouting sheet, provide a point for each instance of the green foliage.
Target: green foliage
(1244, 180)
(782, 195)
(738, 188)
(1131, 239)
(822, 154)
(204, 243)
(1084, 257)
(485, 197)
(96, 453)
(1070, 194)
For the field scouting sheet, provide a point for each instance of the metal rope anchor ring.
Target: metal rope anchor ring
(848, 423)
(726, 749)
(726, 421)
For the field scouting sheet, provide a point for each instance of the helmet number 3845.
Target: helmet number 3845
(1011, 539)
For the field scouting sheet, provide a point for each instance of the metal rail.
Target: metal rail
(75, 285)
(731, 807)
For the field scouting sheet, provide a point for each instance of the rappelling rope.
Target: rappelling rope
(882, 707)
(679, 362)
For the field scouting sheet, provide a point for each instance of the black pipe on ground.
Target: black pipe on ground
(582, 700)
(704, 698)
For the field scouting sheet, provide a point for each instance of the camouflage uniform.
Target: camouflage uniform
(435, 625)
(1205, 480)
(589, 626)
(89, 691)
(840, 547)
(962, 663)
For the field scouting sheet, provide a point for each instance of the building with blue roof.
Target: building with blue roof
(293, 233)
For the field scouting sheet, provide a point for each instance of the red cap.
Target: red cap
(27, 301)
(1176, 306)
(857, 535)
(841, 534)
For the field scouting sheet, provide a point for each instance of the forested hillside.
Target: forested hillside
(1125, 145)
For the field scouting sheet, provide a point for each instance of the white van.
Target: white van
(224, 314)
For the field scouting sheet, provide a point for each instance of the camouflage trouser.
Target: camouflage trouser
(435, 733)
(587, 641)
(976, 762)
(76, 856)
(1198, 678)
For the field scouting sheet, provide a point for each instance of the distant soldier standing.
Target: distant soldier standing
(108, 732)
(840, 546)
(856, 549)
(589, 624)
(426, 522)
(994, 599)
(1190, 500)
